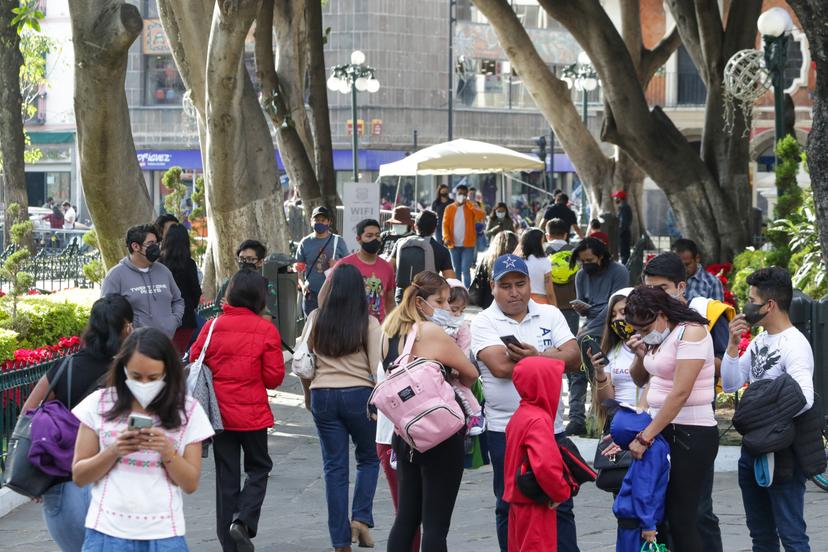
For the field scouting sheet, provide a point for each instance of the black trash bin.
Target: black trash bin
(819, 342)
(282, 296)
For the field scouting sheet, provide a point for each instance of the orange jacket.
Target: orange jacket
(472, 215)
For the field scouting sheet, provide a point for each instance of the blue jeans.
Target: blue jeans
(338, 415)
(461, 260)
(567, 534)
(775, 513)
(98, 542)
(64, 511)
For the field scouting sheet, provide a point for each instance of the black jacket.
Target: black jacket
(765, 416)
(186, 278)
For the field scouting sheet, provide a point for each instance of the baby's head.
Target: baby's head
(458, 297)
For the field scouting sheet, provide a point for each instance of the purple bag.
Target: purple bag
(54, 431)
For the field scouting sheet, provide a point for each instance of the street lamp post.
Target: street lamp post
(775, 26)
(354, 77)
(582, 75)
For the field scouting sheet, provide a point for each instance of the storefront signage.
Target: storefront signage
(376, 127)
(361, 201)
(349, 127)
(155, 39)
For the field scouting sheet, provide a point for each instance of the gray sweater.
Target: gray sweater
(154, 296)
(597, 290)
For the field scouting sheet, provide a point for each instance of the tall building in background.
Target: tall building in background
(408, 45)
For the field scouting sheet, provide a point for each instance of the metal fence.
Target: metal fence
(16, 383)
(54, 269)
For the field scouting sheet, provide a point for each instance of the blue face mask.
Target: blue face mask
(320, 227)
(441, 317)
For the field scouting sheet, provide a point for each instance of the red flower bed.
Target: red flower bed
(722, 272)
(27, 357)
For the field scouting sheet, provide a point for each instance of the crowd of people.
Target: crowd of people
(552, 308)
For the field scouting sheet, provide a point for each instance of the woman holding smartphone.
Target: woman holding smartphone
(138, 475)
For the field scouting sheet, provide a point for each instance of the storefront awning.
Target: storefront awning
(51, 137)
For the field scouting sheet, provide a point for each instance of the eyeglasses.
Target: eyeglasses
(252, 260)
(147, 244)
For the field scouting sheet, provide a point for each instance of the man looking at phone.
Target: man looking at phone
(512, 328)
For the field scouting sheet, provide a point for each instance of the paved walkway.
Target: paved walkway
(294, 516)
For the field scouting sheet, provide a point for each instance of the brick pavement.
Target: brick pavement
(294, 517)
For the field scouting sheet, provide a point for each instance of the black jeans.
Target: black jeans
(232, 503)
(693, 450)
(624, 244)
(428, 489)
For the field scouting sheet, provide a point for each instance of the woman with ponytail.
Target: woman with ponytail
(428, 482)
(110, 321)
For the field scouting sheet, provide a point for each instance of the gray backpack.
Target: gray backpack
(414, 255)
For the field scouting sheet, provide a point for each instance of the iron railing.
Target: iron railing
(16, 383)
(54, 269)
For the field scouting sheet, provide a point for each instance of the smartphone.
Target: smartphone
(137, 421)
(579, 303)
(510, 340)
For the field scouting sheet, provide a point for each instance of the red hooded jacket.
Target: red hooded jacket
(531, 432)
(245, 357)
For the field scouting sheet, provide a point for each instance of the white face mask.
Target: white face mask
(461, 198)
(656, 338)
(144, 392)
(399, 229)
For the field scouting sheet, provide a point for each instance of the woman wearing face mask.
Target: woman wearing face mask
(347, 355)
(499, 221)
(137, 475)
(110, 321)
(439, 206)
(675, 347)
(428, 482)
(245, 356)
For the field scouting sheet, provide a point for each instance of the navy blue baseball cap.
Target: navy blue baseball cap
(508, 263)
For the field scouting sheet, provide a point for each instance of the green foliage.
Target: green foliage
(172, 204)
(744, 264)
(95, 271)
(42, 322)
(8, 344)
(12, 269)
(172, 181)
(800, 231)
(198, 199)
(27, 15)
(91, 239)
(788, 197)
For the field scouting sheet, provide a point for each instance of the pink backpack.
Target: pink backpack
(418, 400)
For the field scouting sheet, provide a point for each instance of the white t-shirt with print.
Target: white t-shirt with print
(539, 267)
(769, 356)
(543, 326)
(136, 499)
(619, 361)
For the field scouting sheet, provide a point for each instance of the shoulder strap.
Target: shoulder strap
(335, 246)
(309, 268)
(409, 345)
(67, 362)
(203, 352)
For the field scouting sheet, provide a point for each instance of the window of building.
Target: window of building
(793, 64)
(530, 14)
(162, 83)
(691, 89)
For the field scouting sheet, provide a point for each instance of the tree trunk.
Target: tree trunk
(12, 144)
(812, 16)
(113, 185)
(319, 113)
(242, 191)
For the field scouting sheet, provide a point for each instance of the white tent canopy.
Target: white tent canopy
(462, 157)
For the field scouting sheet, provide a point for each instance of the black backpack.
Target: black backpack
(414, 255)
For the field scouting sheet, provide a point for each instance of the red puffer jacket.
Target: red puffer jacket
(245, 357)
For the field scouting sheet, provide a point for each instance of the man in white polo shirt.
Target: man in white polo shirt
(538, 330)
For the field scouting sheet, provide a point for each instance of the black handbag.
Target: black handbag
(19, 474)
(611, 469)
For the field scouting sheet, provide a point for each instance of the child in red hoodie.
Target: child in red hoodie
(530, 438)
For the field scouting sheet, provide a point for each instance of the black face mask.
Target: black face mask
(152, 252)
(246, 265)
(591, 268)
(372, 247)
(753, 314)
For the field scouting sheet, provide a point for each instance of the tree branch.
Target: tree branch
(653, 60)
(711, 35)
(685, 16)
(741, 27)
(631, 29)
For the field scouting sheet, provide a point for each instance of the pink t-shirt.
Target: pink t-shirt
(698, 409)
(379, 278)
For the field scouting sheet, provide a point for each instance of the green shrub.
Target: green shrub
(8, 344)
(41, 322)
(744, 264)
(94, 271)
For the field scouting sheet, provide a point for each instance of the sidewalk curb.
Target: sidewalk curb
(726, 460)
(9, 500)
